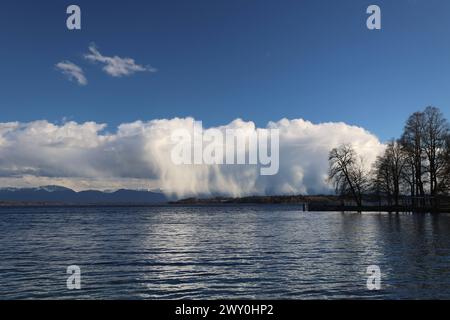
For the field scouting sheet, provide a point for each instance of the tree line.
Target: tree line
(416, 165)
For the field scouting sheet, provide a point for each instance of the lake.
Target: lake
(254, 252)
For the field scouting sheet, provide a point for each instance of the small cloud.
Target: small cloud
(116, 66)
(73, 72)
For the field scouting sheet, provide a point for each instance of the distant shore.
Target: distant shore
(18, 204)
(320, 203)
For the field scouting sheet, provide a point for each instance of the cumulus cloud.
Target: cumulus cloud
(116, 66)
(73, 72)
(138, 154)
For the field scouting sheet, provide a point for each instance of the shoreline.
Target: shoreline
(300, 206)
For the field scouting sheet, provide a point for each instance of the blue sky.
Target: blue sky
(221, 60)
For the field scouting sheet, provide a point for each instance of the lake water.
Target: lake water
(261, 252)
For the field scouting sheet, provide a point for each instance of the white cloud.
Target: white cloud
(72, 71)
(116, 66)
(138, 154)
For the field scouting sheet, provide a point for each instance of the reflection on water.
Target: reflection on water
(263, 252)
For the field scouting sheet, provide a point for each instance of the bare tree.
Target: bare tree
(347, 173)
(436, 131)
(444, 181)
(409, 176)
(382, 180)
(389, 171)
(413, 144)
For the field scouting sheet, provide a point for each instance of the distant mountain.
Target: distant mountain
(65, 195)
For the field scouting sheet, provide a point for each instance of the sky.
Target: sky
(221, 60)
(215, 61)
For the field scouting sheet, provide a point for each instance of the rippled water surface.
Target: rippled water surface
(263, 252)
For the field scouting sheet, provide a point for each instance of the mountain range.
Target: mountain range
(64, 195)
